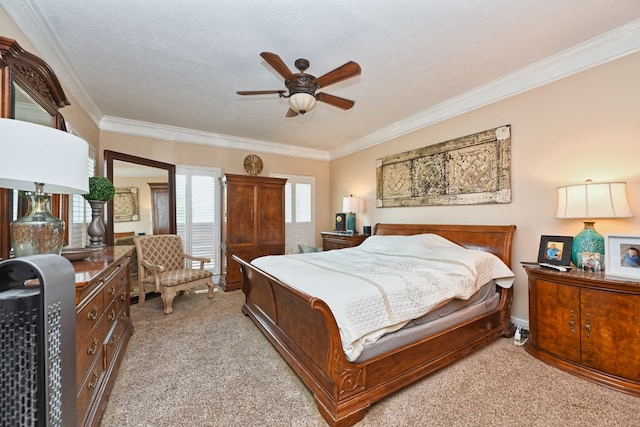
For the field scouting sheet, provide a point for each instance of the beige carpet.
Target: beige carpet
(208, 365)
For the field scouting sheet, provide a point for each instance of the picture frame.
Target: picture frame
(555, 250)
(125, 205)
(621, 253)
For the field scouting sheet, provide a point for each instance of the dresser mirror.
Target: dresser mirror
(146, 176)
(29, 91)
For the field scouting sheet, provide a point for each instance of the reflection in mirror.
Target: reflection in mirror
(133, 210)
(27, 109)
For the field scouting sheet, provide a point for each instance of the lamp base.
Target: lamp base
(351, 222)
(38, 232)
(588, 249)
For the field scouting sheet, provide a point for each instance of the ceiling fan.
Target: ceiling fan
(303, 87)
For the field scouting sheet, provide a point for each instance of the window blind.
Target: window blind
(197, 213)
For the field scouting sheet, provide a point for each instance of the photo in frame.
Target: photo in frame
(622, 253)
(591, 261)
(555, 250)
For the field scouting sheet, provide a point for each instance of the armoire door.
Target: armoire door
(160, 208)
(242, 213)
(271, 229)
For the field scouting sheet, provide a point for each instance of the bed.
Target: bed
(305, 332)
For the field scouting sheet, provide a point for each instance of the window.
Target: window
(299, 211)
(197, 213)
(81, 211)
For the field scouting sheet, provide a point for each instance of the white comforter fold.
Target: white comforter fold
(379, 286)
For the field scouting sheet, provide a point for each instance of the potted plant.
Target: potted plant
(101, 190)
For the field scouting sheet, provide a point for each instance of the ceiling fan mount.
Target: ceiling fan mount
(303, 87)
(301, 64)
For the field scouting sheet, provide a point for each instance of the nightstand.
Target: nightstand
(587, 324)
(333, 240)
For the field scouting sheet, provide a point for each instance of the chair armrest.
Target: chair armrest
(155, 269)
(201, 260)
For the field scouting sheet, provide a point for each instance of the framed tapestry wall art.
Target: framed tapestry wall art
(125, 205)
(470, 170)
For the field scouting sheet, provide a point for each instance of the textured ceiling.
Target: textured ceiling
(179, 63)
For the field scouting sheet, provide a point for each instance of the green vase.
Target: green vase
(588, 245)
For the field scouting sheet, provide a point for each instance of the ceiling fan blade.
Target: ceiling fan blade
(346, 71)
(336, 101)
(278, 64)
(291, 113)
(260, 92)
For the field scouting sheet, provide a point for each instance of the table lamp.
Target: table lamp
(350, 205)
(35, 159)
(589, 201)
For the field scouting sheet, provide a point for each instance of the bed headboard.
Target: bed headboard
(491, 238)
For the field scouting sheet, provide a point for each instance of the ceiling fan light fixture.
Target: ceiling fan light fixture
(302, 102)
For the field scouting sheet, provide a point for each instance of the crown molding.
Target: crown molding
(172, 133)
(607, 47)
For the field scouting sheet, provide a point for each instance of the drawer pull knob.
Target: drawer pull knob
(587, 326)
(123, 296)
(94, 382)
(112, 315)
(112, 341)
(112, 290)
(93, 314)
(92, 350)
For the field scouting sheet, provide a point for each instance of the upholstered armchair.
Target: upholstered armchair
(161, 268)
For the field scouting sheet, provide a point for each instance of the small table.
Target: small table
(335, 240)
(586, 324)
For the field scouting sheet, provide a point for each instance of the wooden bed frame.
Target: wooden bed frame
(305, 333)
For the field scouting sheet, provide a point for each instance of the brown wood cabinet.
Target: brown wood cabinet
(252, 222)
(332, 240)
(103, 328)
(160, 208)
(587, 324)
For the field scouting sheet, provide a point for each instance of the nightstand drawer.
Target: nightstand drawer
(332, 240)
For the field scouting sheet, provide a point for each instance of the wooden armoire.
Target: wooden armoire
(252, 222)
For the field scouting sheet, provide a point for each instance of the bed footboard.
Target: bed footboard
(305, 333)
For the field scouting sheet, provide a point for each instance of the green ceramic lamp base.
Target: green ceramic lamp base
(588, 248)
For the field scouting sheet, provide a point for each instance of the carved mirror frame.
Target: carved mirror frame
(109, 157)
(34, 77)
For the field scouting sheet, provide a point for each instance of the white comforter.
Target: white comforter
(385, 282)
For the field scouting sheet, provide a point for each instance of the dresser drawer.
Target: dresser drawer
(89, 316)
(113, 341)
(88, 349)
(90, 385)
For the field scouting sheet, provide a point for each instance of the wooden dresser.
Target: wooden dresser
(103, 328)
(587, 324)
(334, 240)
(252, 222)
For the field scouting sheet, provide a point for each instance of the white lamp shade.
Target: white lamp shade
(302, 102)
(33, 153)
(594, 200)
(351, 204)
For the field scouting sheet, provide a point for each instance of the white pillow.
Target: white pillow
(396, 243)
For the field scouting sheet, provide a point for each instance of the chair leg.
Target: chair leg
(211, 286)
(141, 295)
(168, 294)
